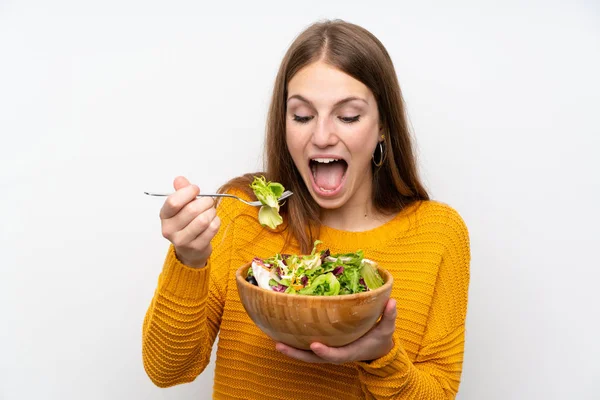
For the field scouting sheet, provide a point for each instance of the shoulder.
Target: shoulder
(440, 212)
(441, 219)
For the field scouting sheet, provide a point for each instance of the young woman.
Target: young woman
(337, 137)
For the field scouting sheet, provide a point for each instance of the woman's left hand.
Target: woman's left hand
(374, 344)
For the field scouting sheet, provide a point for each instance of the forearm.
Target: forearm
(177, 336)
(434, 375)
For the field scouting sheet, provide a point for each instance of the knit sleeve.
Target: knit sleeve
(183, 319)
(436, 371)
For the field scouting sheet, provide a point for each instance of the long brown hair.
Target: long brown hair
(355, 51)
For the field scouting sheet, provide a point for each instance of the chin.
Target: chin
(329, 204)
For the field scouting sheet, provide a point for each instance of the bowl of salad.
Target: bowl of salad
(321, 297)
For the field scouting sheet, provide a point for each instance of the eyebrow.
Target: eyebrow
(337, 104)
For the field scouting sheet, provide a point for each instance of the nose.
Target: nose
(324, 134)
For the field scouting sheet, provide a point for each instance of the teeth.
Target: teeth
(325, 160)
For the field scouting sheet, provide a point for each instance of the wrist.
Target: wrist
(192, 263)
(195, 264)
(384, 350)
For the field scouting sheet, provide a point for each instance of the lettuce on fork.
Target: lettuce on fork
(317, 274)
(268, 194)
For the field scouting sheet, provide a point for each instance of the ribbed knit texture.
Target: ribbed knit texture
(425, 247)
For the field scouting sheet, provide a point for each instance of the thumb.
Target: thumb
(389, 312)
(180, 182)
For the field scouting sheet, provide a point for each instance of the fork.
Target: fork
(257, 203)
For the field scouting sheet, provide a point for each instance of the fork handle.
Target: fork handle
(200, 195)
(209, 195)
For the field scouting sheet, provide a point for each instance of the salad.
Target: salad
(268, 194)
(318, 274)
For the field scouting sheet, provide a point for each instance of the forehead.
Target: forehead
(321, 82)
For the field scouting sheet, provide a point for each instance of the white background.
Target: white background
(100, 101)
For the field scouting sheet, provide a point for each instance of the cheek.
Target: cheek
(294, 145)
(295, 139)
(362, 142)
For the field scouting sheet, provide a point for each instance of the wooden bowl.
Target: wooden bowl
(299, 320)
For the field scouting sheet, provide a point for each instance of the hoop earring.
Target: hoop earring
(381, 155)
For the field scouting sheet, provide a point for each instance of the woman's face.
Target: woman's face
(332, 128)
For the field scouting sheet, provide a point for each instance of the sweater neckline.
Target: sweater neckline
(371, 237)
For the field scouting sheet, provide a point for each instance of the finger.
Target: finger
(205, 237)
(195, 228)
(387, 324)
(302, 355)
(178, 200)
(180, 182)
(390, 310)
(188, 213)
(334, 355)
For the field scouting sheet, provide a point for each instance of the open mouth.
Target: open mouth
(328, 175)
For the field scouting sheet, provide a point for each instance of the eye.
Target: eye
(302, 119)
(349, 120)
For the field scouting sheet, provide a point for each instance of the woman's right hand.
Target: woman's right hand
(189, 223)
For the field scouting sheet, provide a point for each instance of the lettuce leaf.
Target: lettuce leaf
(268, 194)
(326, 285)
(350, 280)
(269, 216)
(369, 273)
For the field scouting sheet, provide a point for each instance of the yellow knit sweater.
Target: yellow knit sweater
(425, 247)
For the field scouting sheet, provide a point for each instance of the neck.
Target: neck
(358, 214)
(355, 217)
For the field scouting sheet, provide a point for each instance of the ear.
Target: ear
(381, 132)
